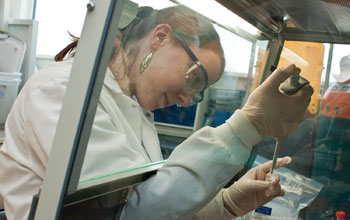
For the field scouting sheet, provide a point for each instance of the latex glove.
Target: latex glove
(271, 111)
(248, 193)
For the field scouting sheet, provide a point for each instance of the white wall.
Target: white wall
(21, 9)
(15, 9)
(4, 12)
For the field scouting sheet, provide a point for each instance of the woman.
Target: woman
(166, 57)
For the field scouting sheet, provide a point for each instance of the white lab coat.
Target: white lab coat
(123, 136)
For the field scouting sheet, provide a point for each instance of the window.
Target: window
(56, 18)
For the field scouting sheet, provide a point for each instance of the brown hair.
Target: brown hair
(192, 27)
(69, 49)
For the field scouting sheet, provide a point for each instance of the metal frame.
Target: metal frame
(320, 38)
(112, 189)
(102, 185)
(328, 70)
(251, 64)
(79, 106)
(174, 130)
(275, 49)
(202, 109)
(250, 72)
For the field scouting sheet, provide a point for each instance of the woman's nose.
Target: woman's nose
(184, 99)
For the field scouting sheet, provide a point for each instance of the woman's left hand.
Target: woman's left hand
(249, 192)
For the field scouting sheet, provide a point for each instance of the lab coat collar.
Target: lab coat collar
(112, 84)
(148, 131)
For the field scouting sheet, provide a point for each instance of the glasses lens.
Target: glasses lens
(195, 79)
(197, 97)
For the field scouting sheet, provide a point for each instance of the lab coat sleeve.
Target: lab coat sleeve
(195, 172)
(215, 209)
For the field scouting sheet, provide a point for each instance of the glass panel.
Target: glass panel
(235, 78)
(132, 93)
(120, 172)
(320, 146)
(176, 115)
(103, 197)
(309, 57)
(107, 206)
(331, 154)
(242, 74)
(123, 135)
(339, 52)
(156, 64)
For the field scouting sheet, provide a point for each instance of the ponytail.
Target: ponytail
(69, 49)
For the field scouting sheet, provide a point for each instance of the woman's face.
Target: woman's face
(163, 83)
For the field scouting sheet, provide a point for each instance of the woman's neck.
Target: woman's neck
(119, 70)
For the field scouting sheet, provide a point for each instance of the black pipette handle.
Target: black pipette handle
(294, 83)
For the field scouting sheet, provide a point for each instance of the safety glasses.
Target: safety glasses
(196, 77)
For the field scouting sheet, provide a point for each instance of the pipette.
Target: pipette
(275, 154)
(289, 87)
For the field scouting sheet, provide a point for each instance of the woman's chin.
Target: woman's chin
(150, 106)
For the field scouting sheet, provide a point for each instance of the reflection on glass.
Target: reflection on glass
(106, 206)
(147, 72)
(331, 156)
(120, 172)
(308, 56)
(320, 146)
(123, 135)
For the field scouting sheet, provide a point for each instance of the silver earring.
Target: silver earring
(145, 62)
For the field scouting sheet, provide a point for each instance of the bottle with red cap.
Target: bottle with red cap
(340, 215)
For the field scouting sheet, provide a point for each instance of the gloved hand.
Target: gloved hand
(248, 193)
(272, 112)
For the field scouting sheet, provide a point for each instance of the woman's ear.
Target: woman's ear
(160, 35)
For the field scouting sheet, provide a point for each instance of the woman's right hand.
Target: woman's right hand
(248, 193)
(272, 112)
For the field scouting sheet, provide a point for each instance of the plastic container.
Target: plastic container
(9, 83)
(257, 216)
(340, 215)
(12, 50)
